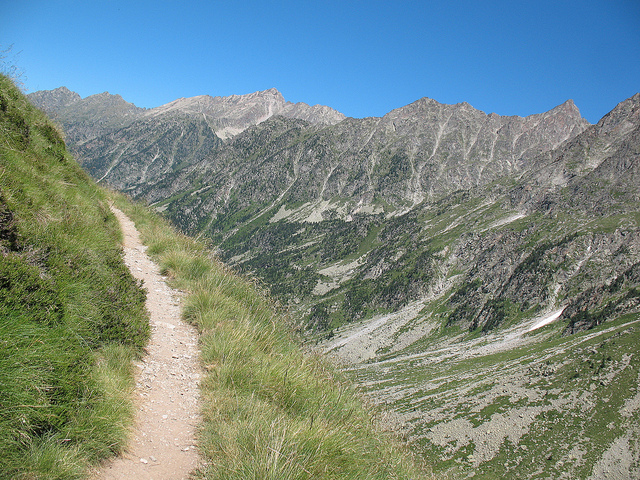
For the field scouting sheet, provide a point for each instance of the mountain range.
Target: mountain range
(426, 250)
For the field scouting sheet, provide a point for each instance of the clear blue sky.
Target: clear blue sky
(363, 58)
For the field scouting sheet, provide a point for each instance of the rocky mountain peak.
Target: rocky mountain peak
(567, 109)
(227, 116)
(233, 114)
(53, 100)
(604, 151)
(99, 114)
(316, 114)
(270, 92)
(106, 100)
(623, 116)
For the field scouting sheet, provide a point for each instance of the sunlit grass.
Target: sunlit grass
(71, 316)
(270, 411)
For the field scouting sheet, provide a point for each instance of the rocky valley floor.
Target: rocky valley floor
(524, 402)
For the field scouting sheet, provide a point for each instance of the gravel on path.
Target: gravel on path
(163, 444)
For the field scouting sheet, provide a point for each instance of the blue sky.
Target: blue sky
(363, 58)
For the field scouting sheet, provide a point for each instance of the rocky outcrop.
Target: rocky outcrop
(234, 114)
(85, 118)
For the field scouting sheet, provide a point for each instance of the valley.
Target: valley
(77, 324)
(510, 404)
(477, 276)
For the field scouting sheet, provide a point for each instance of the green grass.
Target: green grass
(71, 315)
(270, 411)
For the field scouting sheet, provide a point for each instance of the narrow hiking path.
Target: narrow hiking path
(162, 446)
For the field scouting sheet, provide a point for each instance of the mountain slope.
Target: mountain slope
(410, 154)
(604, 154)
(96, 115)
(85, 118)
(71, 316)
(148, 149)
(347, 184)
(519, 358)
(124, 145)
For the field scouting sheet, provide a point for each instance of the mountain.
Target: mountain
(53, 101)
(103, 129)
(232, 115)
(84, 118)
(605, 154)
(344, 181)
(408, 155)
(476, 274)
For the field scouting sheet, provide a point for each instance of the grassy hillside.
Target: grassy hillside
(270, 411)
(71, 315)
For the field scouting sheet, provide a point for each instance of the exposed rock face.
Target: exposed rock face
(234, 114)
(316, 114)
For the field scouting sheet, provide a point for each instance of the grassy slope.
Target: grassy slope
(270, 411)
(71, 315)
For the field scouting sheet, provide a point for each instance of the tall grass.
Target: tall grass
(71, 316)
(270, 411)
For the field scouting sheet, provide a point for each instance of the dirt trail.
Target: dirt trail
(163, 442)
